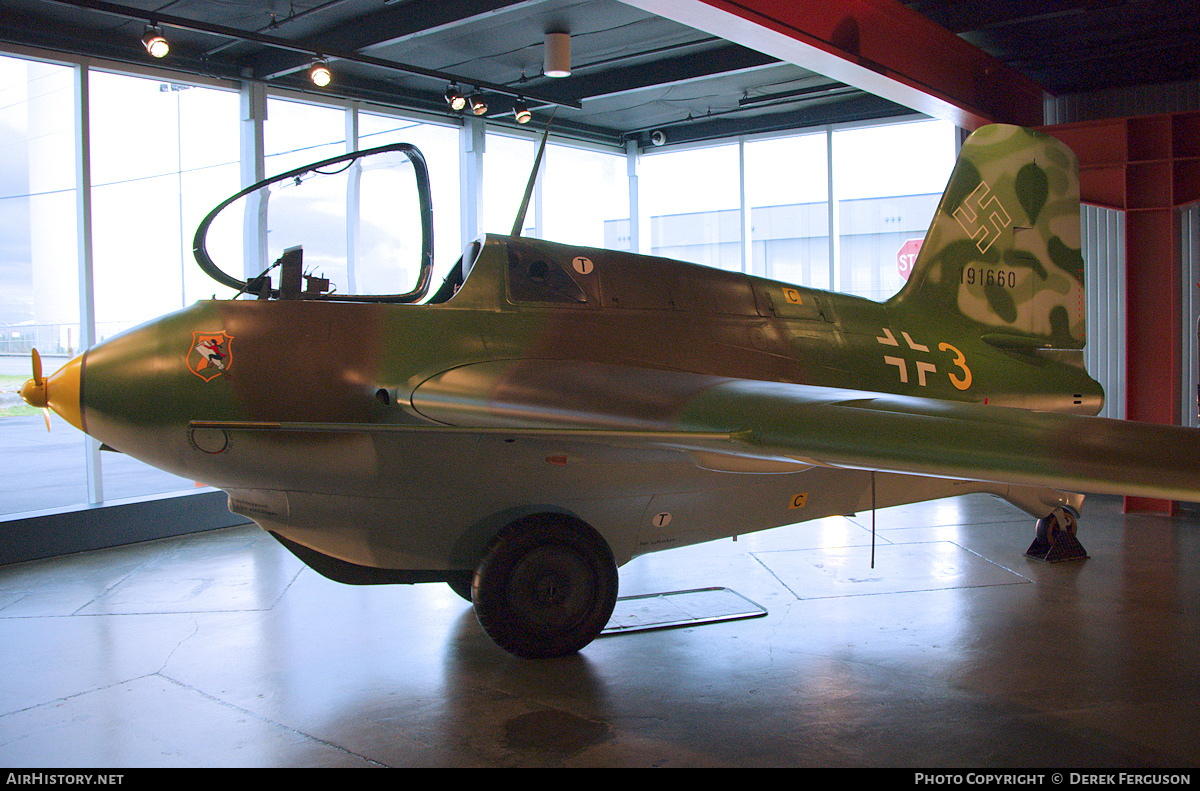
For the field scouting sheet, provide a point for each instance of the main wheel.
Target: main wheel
(1061, 523)
(546, 586)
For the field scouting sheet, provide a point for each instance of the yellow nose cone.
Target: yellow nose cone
(59, 391)
(34, 393)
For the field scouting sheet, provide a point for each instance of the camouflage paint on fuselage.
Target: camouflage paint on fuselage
(375, 433)
(1005, 247)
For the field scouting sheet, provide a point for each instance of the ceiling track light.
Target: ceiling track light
(478, 104)
(455, 98)
(319, 72)
(155, 42)
(521, 111)
(155, 21)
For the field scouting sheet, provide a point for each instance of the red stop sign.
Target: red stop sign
(907, 256)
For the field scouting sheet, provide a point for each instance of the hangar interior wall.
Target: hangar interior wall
(1103, 240)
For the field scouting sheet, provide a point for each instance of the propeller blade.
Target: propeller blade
(34, 390)
(46, 414)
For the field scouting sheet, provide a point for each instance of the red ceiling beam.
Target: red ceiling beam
(878, 46)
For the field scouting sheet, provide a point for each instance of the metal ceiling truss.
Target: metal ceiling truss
(307, 50)
(361, 49)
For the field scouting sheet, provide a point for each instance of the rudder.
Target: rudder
(1003, 250)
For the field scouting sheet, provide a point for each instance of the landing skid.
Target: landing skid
(1055, 541)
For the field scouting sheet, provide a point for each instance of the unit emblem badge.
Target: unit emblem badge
(211, 354)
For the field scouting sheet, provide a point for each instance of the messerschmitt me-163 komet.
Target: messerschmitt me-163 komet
(552, 411)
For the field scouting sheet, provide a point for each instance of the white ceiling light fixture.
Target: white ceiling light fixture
(557, 57)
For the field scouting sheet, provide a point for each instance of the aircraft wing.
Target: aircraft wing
(774, 427)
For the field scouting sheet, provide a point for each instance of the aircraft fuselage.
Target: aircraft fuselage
(222, 392)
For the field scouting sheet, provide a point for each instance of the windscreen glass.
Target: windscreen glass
(358, 222)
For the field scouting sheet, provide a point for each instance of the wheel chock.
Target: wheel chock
(1056, 541)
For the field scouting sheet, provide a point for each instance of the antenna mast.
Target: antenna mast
(537, 164)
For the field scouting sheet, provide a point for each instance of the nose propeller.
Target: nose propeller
(36, 390)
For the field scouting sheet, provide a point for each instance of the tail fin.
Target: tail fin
(1003, 251)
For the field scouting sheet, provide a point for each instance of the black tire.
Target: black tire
(461, 584)
(546, 586)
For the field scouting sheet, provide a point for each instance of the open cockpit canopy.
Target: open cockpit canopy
(356, 227)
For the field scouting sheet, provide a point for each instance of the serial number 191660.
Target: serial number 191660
(986, 276)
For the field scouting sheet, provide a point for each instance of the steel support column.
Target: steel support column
(87, 292)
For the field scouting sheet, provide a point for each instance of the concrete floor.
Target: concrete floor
(221, 649)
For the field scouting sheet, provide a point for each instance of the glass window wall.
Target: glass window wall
(439, 146)
(507, 162)
(787, 188)
(163, 154)
(584, 190)
(887, 182)
(297, 133)
(693, 200)
(311, 211)
(39, 304)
